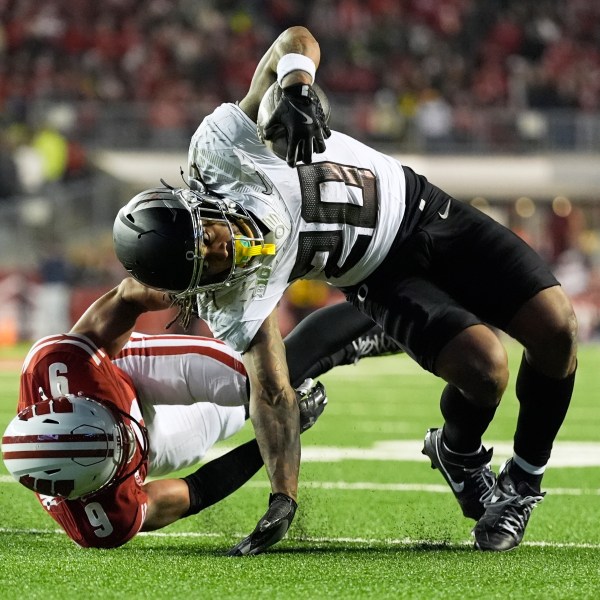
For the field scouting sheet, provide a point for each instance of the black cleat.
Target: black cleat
(270, 529)
(507, 511)
(374, 343)
(469, 477)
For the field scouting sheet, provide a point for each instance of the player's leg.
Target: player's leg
(338, 334)
(546, 326)
(468, 405)
(192, 393)
(520, 296)
(429, 296)
(446, 339)
(502, 280)
(181, 435)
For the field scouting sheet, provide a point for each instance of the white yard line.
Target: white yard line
(350, 486)
(564, 454)
(411, 487)
(359, 541)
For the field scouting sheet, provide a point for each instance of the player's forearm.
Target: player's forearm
(273, 408)
(222, 476)
(295, 40)
(110, 319)
(275, 420)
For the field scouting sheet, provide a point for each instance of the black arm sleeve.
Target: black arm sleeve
(220, 477)
(318, 342)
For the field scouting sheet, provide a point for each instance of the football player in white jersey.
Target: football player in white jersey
(436, 274)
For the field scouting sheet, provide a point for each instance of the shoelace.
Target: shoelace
(514, 511)
(485, 480)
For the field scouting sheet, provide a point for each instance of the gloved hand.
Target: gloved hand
(300, 112)
(312, 400)
(270, 529)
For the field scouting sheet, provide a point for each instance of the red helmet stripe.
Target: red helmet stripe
(57, 438)
(92, 453)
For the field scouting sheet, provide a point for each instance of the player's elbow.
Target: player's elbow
(300, 40)
(298, 32)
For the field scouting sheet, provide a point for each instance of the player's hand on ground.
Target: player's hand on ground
(270, 529)
(312, 400)
(300, 112)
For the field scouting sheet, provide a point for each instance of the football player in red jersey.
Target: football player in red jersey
(438, 275)
(162, 401)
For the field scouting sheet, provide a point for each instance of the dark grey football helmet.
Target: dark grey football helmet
(158, 237)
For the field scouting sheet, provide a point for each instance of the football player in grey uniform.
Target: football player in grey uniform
(439, 276)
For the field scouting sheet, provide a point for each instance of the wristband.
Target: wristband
(295, 62)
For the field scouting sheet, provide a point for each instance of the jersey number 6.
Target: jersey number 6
(357, 216)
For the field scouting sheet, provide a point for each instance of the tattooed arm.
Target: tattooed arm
(273, 407)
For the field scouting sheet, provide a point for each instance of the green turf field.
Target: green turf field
(374, 521)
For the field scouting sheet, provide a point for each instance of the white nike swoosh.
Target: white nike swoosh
(444, 215)
(457, 486)
(307, 118)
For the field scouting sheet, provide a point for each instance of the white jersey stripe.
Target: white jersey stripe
(154, 346)
(80, 341)
(140, 341)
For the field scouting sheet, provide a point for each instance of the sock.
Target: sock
(464, 454)
(520, 470)
(464, 422)
(222, 476)
(543, 406)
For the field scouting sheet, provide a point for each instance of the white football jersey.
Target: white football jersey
(334, 220)
(192, 391)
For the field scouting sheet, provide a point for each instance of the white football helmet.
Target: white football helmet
(70, 446)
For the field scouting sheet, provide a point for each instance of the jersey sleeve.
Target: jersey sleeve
(234, 314)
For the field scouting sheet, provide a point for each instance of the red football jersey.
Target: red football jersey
(70, 364)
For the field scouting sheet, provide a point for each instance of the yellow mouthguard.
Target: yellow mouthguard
(244, 250)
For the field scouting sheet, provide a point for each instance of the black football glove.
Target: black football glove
(270, 529)
(300, 113)
(312, 399)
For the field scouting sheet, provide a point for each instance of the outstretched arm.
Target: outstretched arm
(295, 40)
(273, 407)
(292, 60)
(173, 499)
(109, 321)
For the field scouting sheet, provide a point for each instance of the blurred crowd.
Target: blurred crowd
(538, 52)
(431, 62)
